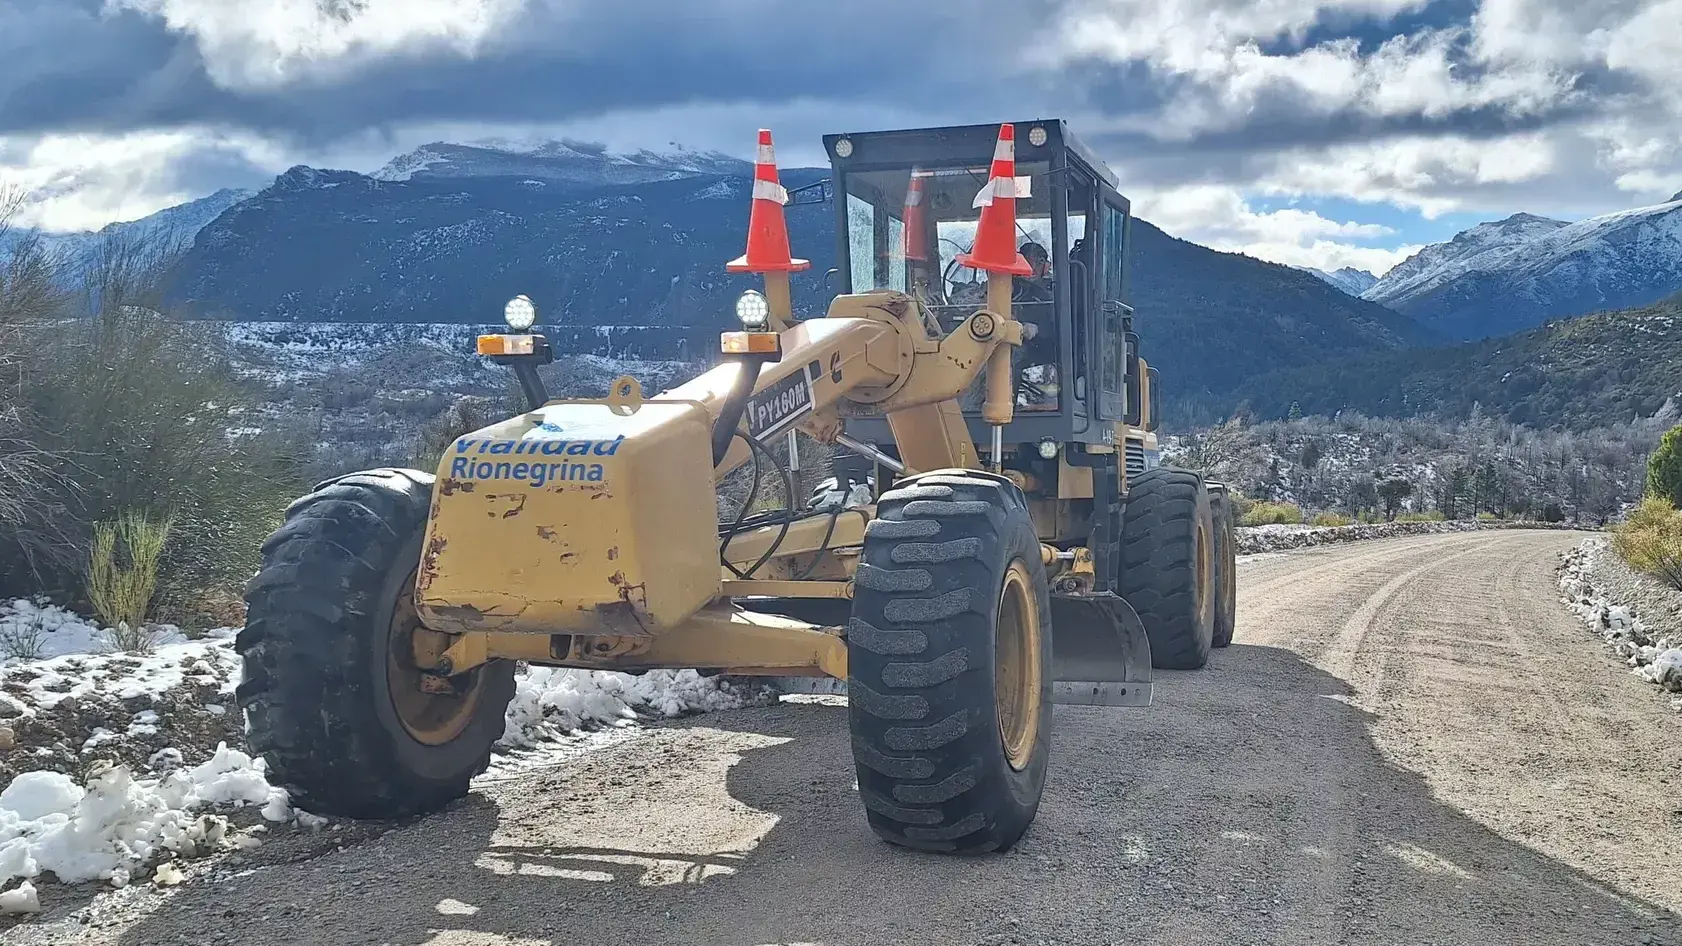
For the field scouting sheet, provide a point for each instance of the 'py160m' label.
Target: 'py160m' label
(779, 405)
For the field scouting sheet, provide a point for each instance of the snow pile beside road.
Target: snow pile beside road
(117, 825)
(115, 762)
(550, 703)
(1600, 589)
(1253, 539)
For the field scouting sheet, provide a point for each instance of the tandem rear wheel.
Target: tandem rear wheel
(949, 658)
(1168, 565)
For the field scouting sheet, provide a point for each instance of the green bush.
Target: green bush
(1664, 468)
(1650, 540)
(123, 576)
(1332, 519)
(1434, 515)
(1486, 517)
(1264, 513)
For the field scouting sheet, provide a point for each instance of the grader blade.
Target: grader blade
(1099, 653)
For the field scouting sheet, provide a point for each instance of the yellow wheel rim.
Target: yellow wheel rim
(1205, 574)
(1018, 677)
(431, 718)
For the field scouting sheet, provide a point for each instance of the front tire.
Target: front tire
(1168, 565)
(331, 691)
(949, 657)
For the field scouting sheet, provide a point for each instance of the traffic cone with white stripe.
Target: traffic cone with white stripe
(768, 250)
(916, 220)
(994, 249)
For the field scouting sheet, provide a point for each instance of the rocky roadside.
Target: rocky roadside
(1639, 618)
(1252, 540)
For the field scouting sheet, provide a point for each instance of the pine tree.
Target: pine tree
(1664, 468)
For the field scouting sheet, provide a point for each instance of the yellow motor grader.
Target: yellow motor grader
(995, 539)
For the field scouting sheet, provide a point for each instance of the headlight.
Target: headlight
(520, 313)
(844, 148)
(1048, 449)
(754, 311)
(1036, 136)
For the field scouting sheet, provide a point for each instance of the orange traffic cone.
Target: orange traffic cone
(994, 249)
(768, 250)
(916, 220)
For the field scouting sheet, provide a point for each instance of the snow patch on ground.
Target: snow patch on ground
(119, 764)
(1654, 656)
(31, 630)
(114, 824)
(550, 703)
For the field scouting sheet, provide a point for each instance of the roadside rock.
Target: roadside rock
(1639, 618)
(1254, 539)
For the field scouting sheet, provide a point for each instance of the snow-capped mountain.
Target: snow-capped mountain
(568, 162)
(1349, 279)
(172, 226)
(1510, 274)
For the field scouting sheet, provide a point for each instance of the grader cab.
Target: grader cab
(983, 551)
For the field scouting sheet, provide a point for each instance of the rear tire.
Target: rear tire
(327, 630)
(1226, 569)
(951, 610)
(1167, 565)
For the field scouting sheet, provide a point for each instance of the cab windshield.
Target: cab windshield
(907, 226)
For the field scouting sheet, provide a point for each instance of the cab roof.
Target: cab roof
(967, 143)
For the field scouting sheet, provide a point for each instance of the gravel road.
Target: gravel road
(1411, 742)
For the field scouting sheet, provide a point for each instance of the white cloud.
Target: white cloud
(1230, 67)
(82, 182)
(1215, 49)
(1430, 174)
(257, 44)
(1599, 85)
(1219, 217)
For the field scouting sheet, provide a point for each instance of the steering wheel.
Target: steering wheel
(1018, 288)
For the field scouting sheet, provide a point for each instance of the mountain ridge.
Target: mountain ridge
(1505, 275)
(326, 245)
(1605, 367)
(1349, 279)
(567, 162)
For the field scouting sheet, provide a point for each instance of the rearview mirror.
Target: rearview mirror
(1135, 398)
(1156, 403)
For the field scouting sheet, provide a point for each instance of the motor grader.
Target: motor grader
(990, 548)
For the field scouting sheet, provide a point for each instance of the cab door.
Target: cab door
(1110, 355)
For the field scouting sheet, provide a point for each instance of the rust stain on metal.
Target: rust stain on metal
(545, 533)
(451, 486)
(568, 557)
(429, 562)
(519, 507)
(468, 615)
(613, 553)
(634, 595)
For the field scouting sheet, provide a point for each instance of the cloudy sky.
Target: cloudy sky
(1318, 132)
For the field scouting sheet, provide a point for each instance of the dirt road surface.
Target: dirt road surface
(1411, 742)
